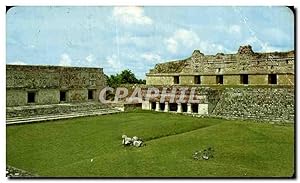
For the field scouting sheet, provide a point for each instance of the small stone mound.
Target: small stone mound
(134, 141)
(15, 172)
(245, 50)
(204, 154)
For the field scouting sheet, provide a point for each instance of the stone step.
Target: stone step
(70, 113)
(11, 121)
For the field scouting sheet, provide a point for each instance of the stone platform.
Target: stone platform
(39, 113)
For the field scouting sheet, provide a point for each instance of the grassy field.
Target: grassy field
(66, 147)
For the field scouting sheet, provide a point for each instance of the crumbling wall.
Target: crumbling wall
(245, 61)
(273, 104)
(48, 81)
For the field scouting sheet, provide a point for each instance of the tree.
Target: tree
(125, 77)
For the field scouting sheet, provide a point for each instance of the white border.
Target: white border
(114, 3)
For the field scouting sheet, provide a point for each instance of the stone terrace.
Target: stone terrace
(273, 104)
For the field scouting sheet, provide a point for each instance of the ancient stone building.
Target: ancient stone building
(30, 85)
(245, 67)
(272, 98)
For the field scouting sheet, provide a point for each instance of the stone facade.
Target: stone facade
(57, 109)
(245, 67)
(31, 85)
(271, 104)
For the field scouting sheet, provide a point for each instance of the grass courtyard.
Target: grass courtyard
(66, 147)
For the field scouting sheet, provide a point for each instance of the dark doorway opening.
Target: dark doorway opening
(219, 79)
(162, 106)
(194, 108)
(244, 79)
(62, 97)
(31, 97)
(173, 106)
(153, 106)
(184, 107)
(197, 80)
(272, 79)
(176, 79)
(91, 94)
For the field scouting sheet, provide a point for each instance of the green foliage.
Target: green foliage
(125, 77)
(66, 147)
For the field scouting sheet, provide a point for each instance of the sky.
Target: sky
(137, 38)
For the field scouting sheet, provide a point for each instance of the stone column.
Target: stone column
(189, 108)
(203, 109)
(157, 108)
(146, 105)
(179, 108)
(167, 107)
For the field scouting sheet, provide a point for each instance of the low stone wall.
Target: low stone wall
(274, 104)
(36, 110)
(16, 172)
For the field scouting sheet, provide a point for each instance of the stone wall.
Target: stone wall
(231, 66)
(273, 104)
(47, 82)
(157, 80)
(37, 110)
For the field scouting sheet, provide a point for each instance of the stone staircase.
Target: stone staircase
(42, 113)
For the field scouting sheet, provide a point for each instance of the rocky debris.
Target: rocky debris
(204, 154)
(245, 50)
(134, 141)
(15, 172)
(197, 53)
(170, 67)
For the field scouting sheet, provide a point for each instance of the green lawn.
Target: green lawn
(66, 147)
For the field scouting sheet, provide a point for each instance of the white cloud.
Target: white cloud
(131, 15)
(114, 62)
(182, 38)
(172, 45)
(151, 57)
(234, 29)
(251, 40)
(187, 40)
(17, 62)
(65, 60)
(265, 47)
(129, 39)
(212, 48)
(90, 58)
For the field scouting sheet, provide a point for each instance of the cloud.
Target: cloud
(151, 57)
(17, 62)
(131, 15)
(233, 29)
(187, 40)
(212, 48)
(128, 39)
(251, 40)
(265, 47)
(65, 60)
(172, 45)
(90, 58)
(114, 62)
(182, 38)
